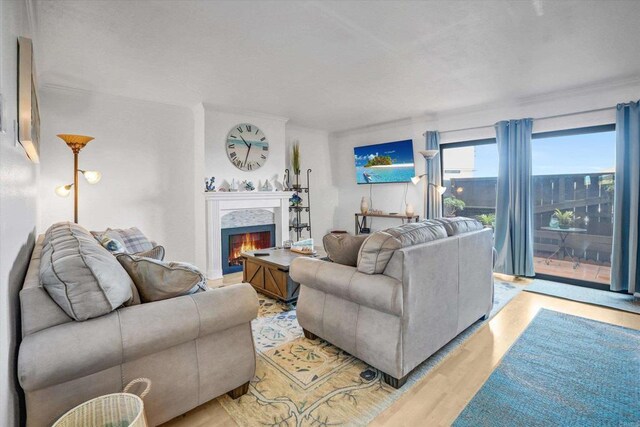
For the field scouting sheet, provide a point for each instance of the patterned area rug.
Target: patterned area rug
(563, 370)
(301, 382)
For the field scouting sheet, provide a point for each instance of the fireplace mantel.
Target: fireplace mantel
(220, 203)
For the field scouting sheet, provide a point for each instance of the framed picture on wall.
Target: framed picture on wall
(28, 112)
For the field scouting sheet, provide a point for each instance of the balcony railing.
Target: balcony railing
(589, 196)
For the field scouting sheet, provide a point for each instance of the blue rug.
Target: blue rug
(563, 370)
(618, 301)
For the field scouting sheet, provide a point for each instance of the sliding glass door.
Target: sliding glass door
(573, 189)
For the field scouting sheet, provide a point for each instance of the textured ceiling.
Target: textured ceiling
(336, 65)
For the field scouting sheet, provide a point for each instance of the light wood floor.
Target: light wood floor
(442, 394)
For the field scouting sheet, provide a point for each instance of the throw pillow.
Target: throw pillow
(81, 276)
(343, 248)
(156, 253)
(132, 239)
(158, 280)
(112, 245)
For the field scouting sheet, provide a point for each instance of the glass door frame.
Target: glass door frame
(540, 135)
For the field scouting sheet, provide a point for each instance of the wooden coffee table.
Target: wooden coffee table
(270, 274)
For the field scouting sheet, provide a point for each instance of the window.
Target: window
(573, 184)
(470, 173)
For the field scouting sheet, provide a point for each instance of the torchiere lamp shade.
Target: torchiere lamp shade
(75, 142)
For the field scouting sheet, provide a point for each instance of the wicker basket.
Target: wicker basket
(112, 410)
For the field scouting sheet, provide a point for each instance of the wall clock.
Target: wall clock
(247, 147)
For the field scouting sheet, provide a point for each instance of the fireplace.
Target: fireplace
(241, 239)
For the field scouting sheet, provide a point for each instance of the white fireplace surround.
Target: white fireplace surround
(219, 204)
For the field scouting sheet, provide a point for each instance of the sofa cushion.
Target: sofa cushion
(343, 248)
(459, 224)
(81, 276)
(377, 249)
(415, 233)
(158, 280)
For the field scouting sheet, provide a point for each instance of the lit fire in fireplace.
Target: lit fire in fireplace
(246, 243)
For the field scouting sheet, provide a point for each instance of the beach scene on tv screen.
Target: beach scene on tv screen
(383, 163)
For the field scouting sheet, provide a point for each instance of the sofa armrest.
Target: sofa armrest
(77, 349)
(376, 291)
(71, 350)
(152, 327)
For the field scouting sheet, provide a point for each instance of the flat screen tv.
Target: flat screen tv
(384, 163)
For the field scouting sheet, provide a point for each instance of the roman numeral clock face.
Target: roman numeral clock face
(247, 147)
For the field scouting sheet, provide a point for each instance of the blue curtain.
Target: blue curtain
(625, 261)
(514, 217)
(435, 177)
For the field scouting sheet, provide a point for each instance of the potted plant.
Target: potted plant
(453, 205)
(565, 219)
(488, 220)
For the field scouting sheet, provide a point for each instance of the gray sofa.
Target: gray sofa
(193, 348)
(414, 289)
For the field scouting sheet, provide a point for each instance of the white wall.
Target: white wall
(315, 155)
(18, 209)
(145, 152)
(388, 197)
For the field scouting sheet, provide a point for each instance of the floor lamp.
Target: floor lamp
(76, 143)
(428, 155)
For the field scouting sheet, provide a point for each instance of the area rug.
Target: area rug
(624, 302)
(563, 370)
(301, 382)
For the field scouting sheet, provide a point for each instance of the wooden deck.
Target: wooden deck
(585, 271)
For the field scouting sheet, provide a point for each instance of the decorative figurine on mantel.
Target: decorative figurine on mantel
(266, 186)
(248, 186)
(234, 185)
(209, 184)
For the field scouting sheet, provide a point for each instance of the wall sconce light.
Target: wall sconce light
(76, 143)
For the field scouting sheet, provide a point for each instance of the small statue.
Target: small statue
(285, 181)
(248, 186)
(234, 185)
(267, 186)
(209, 184)
(295, 200)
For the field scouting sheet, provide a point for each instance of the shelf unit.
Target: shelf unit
(300, 212)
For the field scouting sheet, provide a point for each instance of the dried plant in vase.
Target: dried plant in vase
(295, 161)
